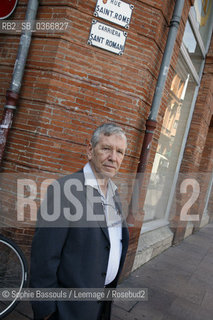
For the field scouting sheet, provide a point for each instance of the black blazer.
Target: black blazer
(72, 254)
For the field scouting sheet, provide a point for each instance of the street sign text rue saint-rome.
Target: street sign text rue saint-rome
(107, 37)
(116, 11)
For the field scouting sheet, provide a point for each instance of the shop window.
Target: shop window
(170, 142)
(177, 118)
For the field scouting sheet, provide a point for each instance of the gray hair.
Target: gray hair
(107, 129)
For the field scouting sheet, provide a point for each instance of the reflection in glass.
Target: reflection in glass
(170, 142)
(203, 14)
(192, 47)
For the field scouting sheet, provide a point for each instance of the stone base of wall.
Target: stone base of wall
(205, 220)
(151, 244)
(190, 226)
(189, 229)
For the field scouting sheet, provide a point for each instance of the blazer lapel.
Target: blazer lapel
(125, 232)
(97, 209)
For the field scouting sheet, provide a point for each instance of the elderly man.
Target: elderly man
(87, 246)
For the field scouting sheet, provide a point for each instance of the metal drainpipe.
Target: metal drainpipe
(12, 94)
(136, 204)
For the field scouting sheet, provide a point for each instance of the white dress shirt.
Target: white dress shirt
(113, 221)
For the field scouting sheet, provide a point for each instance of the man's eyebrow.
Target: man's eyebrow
(110, 146)
(106, 145)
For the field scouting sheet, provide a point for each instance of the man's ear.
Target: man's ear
(89, 151)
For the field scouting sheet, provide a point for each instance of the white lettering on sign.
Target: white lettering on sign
(107, 37)
(118, 12)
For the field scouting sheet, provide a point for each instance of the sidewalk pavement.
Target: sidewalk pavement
(179, 283)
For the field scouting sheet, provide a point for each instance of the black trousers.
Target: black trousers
(104, 314)
(105, 310)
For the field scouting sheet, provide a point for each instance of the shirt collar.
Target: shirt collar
(90, 179)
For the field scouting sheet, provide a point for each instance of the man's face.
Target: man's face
(107, 156)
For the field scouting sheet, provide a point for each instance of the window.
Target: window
(170, 142)
(202, 13)
(192, 47)
(177, 118)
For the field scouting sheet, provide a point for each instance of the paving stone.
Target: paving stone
(191, 292)
(208, 301)
(146, 312)
(141, 311)
(158, 300)
(175, 261)
(122, 314)
(185, 256)
(24, 308)
(14, 315)
(126, 305)
(182, 309)
(205, 274)
(179, 282)
(208, 259)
